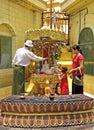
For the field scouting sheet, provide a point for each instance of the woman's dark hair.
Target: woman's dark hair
(77, 47)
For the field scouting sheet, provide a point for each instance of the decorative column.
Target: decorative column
(51, 14)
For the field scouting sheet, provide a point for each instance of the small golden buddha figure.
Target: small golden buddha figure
(47, 91)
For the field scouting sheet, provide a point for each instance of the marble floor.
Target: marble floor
(84, 127)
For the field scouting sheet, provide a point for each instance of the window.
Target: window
(5, 52)
(86, 36)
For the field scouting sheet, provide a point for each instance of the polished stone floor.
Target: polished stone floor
(83, 127)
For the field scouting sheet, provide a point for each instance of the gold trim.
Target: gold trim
(45, 114)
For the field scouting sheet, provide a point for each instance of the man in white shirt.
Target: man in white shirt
(21, 60)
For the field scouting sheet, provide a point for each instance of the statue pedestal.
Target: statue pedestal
(39, 83)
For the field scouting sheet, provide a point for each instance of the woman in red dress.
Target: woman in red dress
(77, 70)
(63, 81)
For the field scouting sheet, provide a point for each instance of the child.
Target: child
(63, 81)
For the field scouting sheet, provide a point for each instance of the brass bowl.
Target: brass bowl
(22, 97)
(51, 97)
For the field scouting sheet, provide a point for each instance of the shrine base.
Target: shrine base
(40, 111)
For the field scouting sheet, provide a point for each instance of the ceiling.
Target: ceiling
(60, 1)
(55, 4)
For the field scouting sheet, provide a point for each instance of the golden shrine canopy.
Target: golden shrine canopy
(47, 42)
(45, 32)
